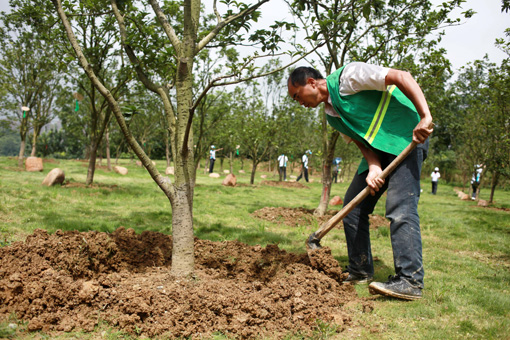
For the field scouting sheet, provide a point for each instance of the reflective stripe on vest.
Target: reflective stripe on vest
(379, 115)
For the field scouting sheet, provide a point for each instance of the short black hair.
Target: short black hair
(302, 73)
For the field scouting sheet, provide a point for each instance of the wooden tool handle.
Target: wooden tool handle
(333, 221)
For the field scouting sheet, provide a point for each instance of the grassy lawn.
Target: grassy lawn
(466, 248)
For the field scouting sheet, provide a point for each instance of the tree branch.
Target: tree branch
(166, 26)
(167, 188)
(213, 83)
(129, 50)
(225, 22)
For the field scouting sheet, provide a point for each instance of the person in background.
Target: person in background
(282, 163)
(212, 158)
(475, 180)
(435, 175)
(304, 159)
(335, 170)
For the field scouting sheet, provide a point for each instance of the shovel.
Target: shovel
(313, 241)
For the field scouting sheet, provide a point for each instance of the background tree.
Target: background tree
(96, 35)
(255, 124)
(484, 135)
(29, 75)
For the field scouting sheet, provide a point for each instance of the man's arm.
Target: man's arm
(406, 83)
(374, 168)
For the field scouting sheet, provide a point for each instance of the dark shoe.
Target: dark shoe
(396, 287)
(355, 278)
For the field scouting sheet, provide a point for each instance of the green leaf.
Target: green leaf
(366, 11)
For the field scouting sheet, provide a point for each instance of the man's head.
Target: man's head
(304, 86)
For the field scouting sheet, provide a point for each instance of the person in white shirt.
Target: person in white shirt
(304, 159)
(435, 175)
(282, 163)
(475, 180)
(212, 157)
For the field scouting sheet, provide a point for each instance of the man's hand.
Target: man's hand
(423, 130)
(373, 181)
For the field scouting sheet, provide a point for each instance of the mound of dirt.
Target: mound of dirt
(294, 217)
(72, 280)
(285, 184)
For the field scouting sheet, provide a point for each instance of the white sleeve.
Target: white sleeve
(359, 76)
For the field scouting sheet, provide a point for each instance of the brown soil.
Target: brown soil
(72, 280)
(300, 216)
(285, 184)
(492, 208)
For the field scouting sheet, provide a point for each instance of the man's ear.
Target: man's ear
(312, 82)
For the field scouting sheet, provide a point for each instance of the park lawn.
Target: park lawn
(466, 247)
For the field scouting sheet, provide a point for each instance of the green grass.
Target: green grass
(466, 248)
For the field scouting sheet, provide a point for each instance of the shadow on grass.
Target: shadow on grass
(106, 221)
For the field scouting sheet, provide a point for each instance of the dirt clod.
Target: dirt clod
(72, 280)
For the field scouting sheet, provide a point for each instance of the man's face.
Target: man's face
(307, 95)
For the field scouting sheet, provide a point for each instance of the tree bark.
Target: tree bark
(329, 154)
(231, 162)
(108, 161)
(34, 145)
(183, 259)
(23, 129)
(167, 150)
(92, 164)
(495, 180)
(253, 170)
(21, 153)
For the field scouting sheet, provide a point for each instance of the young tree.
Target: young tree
(163, 48)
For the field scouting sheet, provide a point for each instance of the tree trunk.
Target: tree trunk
(21, 153)
(253, 170)
(92, 164)
(108, 161)
(37, 132)
(495, 180)
(183, 259)
(231, 162)
(34, 145)
(269, 163)
(167, 150)
(329, 154)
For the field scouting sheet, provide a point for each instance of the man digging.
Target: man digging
(381, 110)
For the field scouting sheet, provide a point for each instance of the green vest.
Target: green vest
(381, 120)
